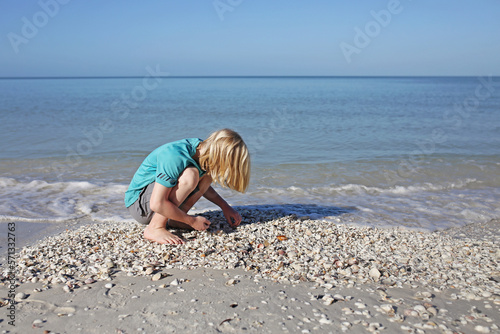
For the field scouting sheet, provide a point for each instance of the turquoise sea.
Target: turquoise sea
(418, 152)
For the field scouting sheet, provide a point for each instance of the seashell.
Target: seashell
(89, 281)
(360, 305)
(387, 309)
(347, 310)
(329, 253)
(420, 309)
(374, 273)
(20, 296)
(482, 329)
(423, 295)
(328, 301)
(37, 322)
(410, 313)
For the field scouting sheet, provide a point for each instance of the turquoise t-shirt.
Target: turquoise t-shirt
(164, 166)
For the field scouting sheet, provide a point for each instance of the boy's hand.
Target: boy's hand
(231, 214)
(201, 223)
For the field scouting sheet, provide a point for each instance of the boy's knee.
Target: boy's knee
(189, 178)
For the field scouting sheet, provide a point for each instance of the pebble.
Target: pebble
(108, 285)
(175, 282)
(156, 277)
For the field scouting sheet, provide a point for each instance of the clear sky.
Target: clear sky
(249, 37)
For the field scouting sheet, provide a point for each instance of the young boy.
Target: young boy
(173, 178)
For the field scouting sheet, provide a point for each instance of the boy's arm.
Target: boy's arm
(230, 214)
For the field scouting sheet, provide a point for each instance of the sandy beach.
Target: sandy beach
(272, 274)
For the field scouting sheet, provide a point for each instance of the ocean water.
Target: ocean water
(418, 152)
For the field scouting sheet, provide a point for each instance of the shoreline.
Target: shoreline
(274, 273)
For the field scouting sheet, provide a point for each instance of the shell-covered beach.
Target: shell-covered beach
(342, 277)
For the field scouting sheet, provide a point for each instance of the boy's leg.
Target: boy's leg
(186, 184)
(156, 230)
(191, 199)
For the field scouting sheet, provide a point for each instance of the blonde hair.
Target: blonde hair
(224, 155)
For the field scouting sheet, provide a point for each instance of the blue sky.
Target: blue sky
(249, 37)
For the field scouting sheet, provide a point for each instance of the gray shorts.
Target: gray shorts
(141, 211)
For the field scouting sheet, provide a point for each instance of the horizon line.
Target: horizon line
(244, 76)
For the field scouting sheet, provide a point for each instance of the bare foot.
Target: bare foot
(162, 236)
